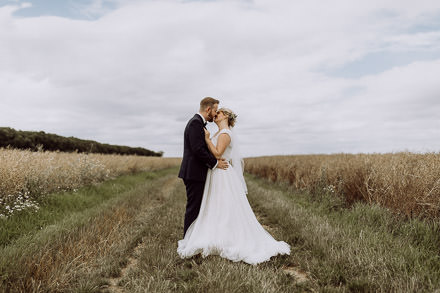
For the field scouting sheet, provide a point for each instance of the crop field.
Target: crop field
(110, 223)
(407, 183)
(120, 235)
(25, 176)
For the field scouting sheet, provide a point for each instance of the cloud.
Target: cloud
(136, 72)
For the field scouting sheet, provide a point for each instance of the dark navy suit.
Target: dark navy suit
(195, 163)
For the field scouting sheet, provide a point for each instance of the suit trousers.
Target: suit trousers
(194, 194)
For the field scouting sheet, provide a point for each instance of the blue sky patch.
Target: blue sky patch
(378, 62)
(63, 8)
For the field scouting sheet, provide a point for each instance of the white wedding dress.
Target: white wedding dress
(226, 224)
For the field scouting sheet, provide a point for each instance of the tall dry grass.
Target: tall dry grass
(405, 182)
(26, 175)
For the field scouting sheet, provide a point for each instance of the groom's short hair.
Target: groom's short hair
(208, 102)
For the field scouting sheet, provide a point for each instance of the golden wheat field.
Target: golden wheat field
(25, 175)
(408, 183)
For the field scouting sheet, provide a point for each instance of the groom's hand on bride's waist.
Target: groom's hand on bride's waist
(222, 164)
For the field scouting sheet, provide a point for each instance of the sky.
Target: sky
(304, 77)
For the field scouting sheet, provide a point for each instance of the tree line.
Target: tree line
(40, 140)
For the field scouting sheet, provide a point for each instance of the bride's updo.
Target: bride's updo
(231, 116)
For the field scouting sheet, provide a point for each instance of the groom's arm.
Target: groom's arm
(198, 145)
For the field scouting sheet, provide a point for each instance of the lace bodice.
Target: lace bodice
(227, 153)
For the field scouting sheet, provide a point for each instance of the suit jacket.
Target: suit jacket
(196, 156)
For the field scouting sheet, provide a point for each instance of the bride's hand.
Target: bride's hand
(207, 134)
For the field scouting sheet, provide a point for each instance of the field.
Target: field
(119, 233)
(407, 183)
(25, 176)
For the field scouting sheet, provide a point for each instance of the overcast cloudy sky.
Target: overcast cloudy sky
(303, 76)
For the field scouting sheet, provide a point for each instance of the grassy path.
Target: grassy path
(362, 249)
(78, 251)
(126, 242)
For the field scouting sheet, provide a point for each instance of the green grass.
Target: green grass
(365, 248)
(72, 241)
(89, 236)
(56, 206)
(160, 269)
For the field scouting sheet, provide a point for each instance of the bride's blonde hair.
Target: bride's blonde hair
(231, 116)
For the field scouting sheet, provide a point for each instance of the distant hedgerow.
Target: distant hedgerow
(35, 141)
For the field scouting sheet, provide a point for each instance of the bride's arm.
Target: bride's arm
(223, 141)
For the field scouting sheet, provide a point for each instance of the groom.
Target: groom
(197, 159)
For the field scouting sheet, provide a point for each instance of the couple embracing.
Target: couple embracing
(218, 217)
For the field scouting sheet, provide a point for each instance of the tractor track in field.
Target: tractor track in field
(133, 258)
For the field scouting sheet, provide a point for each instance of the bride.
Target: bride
(226, 224)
